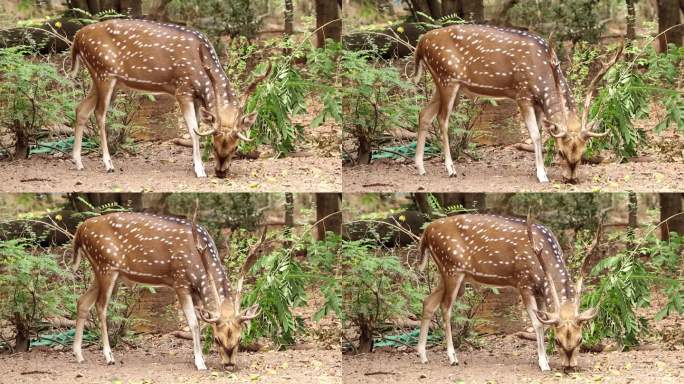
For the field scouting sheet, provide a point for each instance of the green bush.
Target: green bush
(31, 289)
(33, 94)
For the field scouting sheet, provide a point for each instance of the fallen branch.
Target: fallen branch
(526, 335)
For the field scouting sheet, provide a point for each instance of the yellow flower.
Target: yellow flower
(58, 24)
(402, 218)
(58, 217)
(400, 29)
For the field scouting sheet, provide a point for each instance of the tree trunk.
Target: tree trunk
(23, 337)
(668, 17)
(631, 20)
(363, 152)
(421, 6)
(632, 211)
(328, 21)
(328, 215)
(365, 337)
(421, 200)
(289, 17)
(472, 10)
(21, 145)
(670, 205)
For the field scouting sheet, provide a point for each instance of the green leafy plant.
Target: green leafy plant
(31, 289)
(33, 94)
(280, 286)
(624, 284)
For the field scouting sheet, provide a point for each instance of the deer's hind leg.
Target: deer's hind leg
(430, 304)
(83, 306)
(105, 89)
(425, 118)
(452, 289)
(83, 111)
(106, 287)
(447, 98)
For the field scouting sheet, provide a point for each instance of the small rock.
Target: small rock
(79, 375)
(423, 376)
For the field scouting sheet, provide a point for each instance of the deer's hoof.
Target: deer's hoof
(110, 170)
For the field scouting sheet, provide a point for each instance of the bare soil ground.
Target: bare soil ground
(169, 360)
(166, 167)
(158, 165)
(508, 359)
(506, 169)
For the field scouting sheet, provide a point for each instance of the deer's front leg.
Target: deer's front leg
(533, 126)
(189, 310)
(531, 307)
(190, 115)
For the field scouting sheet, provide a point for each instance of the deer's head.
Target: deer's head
(227, 319)
(567, 322)
(226, 326)
(230, 126)
(573, 134)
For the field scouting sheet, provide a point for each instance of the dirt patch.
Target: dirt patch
(169, 360)
(508, 359)
(506, 169)
(167, 167)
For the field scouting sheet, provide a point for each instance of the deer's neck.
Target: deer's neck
(208, 277)
(223, 93)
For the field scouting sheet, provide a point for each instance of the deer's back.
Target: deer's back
(487, 59)
(135, 243)
(491, 249)
(142, 50)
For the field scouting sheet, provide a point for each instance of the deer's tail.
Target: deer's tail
(418, 67)
(78, 250)
(74, 58)
(424, 253)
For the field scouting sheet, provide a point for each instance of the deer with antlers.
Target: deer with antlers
(163, 251)
(161, 58)
(499, 62)
(504, 252)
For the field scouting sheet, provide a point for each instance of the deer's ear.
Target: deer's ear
(546, 318)
(249, 313)
(248, 120)
(587, 315)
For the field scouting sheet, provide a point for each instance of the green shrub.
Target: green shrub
(31, 289)
(33, 94)
(374, 289)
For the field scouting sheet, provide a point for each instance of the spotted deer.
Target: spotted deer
(498, 62)
(161, 58)
(504, 252)
(162, 251)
